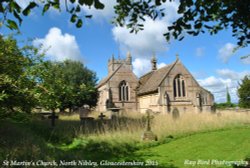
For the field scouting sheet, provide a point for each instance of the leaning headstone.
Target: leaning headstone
(175, 113)
(148, 135)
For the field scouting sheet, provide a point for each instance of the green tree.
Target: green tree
(65, 84)
(80, 85)
(196, 16)
(16, 86)
(48, 85)
(244, 92)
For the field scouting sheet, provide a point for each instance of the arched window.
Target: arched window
(123, 91)
(179, 86)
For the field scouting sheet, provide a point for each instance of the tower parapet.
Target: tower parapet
(113, 63)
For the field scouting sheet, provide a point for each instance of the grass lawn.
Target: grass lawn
(229, 145)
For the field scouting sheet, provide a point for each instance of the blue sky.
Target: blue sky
(209, 58)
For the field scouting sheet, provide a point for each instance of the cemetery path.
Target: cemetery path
(210, 149)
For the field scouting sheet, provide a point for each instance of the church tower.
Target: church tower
(118, 89)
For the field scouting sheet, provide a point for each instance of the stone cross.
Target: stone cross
(53, 117)
(148, 135)
(101, 116)
(149, 118)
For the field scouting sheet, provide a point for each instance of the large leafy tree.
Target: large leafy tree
(48, 86)
(16, 86)
(244, 92)
(196, 16)
(80, 85)
(26, 80)
(65, 84)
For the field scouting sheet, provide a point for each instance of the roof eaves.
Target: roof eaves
(148, 92)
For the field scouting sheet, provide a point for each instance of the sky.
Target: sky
(210, 59)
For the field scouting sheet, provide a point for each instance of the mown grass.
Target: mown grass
(201, 150)
(35, 139)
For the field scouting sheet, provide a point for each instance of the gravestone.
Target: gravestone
(101, 126)
(88, 124)
(114, 113)
(53, 118)
(38, 109)
(84, 112)
(148, 135)
(102, 116)
(86, 121)
(175, 113)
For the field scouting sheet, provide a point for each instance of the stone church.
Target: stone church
(160, 90)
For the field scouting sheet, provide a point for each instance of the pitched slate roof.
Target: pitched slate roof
(150, 82)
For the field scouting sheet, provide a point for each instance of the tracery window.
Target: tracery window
(179, 86)
(123, 91)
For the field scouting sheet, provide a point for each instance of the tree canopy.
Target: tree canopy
(196, 16)
(244, 92)
(27, 81)
(16, 88)
(68, 84)
(62, 85)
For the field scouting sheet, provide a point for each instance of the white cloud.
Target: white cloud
(246, 60)
(226, 52)
(145, 42)
(23, 3)
(199, 52)
(151, 39)
(171, 9)
(227, 73)
(217, 85)
(160, 65)
(142, 65)
(106, 13)
(59, 46)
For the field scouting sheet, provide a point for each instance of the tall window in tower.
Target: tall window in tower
(179, 86)
(123, 91)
